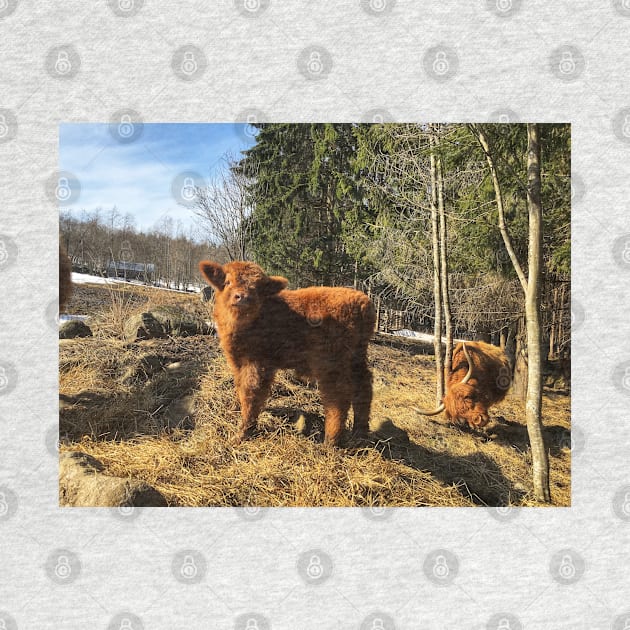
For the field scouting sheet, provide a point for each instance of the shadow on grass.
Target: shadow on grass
(476, 476)
(141, 397)
(557, 438)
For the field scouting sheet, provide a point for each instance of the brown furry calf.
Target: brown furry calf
(65, 277)
(320, 332)
(480, 377)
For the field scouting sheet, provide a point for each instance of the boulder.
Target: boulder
(178, 321)
(164, 321)
(73, 329)
(148, 366)
(143, 326)
(82, 483)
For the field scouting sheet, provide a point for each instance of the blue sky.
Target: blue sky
(142, 175)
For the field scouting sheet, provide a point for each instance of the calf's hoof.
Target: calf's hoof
(244, 434)
(360, 433)
(334, 440)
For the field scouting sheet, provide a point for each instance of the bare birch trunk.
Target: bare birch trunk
(437, 285)
(531, 287)
(533, 406)
(448, 323)
(507, 241)
(519, 379)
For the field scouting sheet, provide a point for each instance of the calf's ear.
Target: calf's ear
(274, 284)
(213, 273)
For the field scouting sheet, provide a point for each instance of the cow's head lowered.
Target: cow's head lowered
(240, 287)
(463, 401)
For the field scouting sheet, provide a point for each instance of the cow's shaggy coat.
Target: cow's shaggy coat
(480, 377)
(320, 332)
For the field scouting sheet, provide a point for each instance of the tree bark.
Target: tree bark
(527, 365)
(551, 354)
(437, 285)
(519, 380)
(448, 322)
(485, 145)
(533, 405)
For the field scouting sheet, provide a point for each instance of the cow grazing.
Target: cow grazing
(320, 332)
(65, 278)
(480, 377)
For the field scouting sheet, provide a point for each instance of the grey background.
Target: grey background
(529, 568)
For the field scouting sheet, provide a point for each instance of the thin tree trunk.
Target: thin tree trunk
(485, 145)
(560, 336)
(503, 338)
(533, 406)
(554, 325)
(519, 379)
(448, 323)
(437, 288)
(519, 386)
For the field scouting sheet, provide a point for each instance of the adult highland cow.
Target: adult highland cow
(320, 332)
(480, 377)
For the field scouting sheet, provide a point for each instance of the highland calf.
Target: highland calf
(480, 377)
(320, 332)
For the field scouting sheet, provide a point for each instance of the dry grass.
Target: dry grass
(163, 411)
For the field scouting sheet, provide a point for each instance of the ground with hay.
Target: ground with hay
(163, 411)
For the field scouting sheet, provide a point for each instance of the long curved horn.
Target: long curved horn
(470, 365)
(441, 408)
(434, 412)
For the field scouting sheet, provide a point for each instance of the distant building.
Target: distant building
(131, 270)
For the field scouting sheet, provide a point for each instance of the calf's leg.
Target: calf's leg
(361, 398)
(336, 397)
(253, 384)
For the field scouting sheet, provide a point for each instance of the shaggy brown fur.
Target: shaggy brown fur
(487, 386)
(65, 277)
(320, 332)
